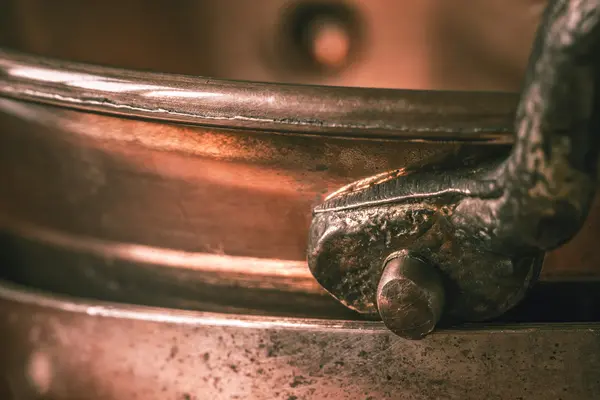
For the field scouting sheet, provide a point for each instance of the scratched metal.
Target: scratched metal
(62, 348)
(485, 227)
(416, 115)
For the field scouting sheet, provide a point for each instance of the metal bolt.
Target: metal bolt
(410, 296)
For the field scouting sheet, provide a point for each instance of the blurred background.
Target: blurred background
(417, 44)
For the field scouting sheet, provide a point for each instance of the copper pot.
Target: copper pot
(194, 193)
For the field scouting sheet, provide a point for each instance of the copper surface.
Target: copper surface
(186, 189)
(165, 193)
(109, 195)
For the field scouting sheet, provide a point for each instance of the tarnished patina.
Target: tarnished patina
(484, 227)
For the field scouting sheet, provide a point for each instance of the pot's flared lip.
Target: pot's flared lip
(325, 110)
(17, 294)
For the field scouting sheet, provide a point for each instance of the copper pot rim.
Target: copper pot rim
(413, 115)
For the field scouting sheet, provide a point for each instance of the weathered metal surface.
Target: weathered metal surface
(418, 287)
(485, 226)
(145, 195)
(417, 212)
(103, 206)
(65, 348)
(157, 184)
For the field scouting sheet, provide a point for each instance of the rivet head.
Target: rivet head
(410, 296)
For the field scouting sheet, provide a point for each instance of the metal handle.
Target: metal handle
(479, 232)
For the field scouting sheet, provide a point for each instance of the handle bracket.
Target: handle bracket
(484, 228)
